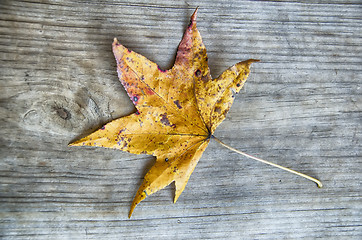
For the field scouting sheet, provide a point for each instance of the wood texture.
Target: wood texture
(301, 108)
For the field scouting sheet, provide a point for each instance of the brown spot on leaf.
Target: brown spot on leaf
(205, 78)
(164, 120)
(198, 73)
(218, 110)
(177, 102)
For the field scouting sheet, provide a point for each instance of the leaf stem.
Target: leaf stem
(319, 183)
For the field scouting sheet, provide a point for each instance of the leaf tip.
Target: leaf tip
(250, 61)
(79, 142)
(116, 44)
(130, 213)
(72, 144)
(134, 204)
(194, 16)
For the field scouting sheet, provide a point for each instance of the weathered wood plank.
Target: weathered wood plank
(301, 108)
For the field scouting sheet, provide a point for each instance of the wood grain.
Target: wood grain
(300, 108)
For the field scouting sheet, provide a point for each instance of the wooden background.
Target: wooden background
(300, 108)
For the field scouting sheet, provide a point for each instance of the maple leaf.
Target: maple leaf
(178, 111)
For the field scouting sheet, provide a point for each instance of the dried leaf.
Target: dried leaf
(178, 110)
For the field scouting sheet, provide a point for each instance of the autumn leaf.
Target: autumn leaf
(178, 111)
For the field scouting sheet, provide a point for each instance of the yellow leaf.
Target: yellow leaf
(178, 110)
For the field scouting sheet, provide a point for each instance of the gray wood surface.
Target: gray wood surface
(301, 108)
